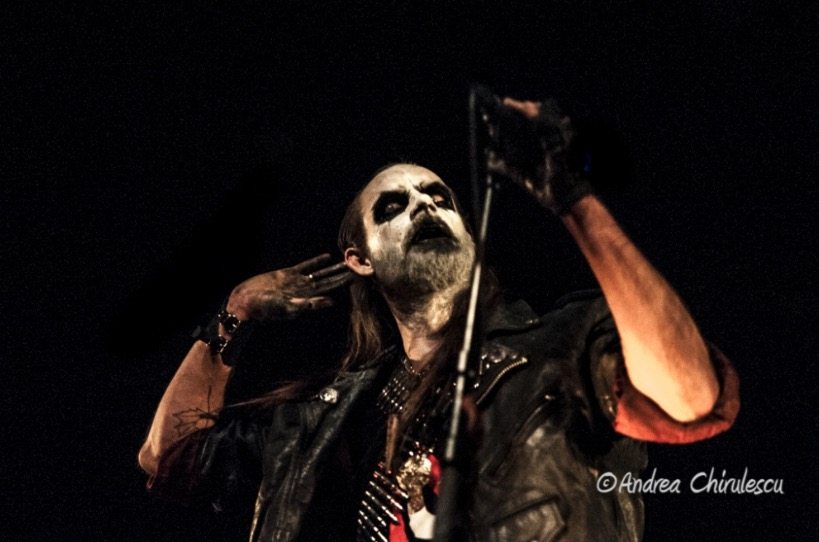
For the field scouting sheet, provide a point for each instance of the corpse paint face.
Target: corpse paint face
(416, 239)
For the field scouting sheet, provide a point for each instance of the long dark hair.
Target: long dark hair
(371, 326)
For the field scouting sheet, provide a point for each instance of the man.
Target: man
(555, 401)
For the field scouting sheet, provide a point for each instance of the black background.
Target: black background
(152, 157)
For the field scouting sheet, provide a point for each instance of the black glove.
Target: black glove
(538, 153)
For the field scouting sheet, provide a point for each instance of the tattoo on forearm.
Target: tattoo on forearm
(193, 419)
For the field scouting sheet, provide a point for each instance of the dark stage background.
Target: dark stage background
(153, 157)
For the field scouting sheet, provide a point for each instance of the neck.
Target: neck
(420, 321)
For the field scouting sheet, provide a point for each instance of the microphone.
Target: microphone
(515, 144)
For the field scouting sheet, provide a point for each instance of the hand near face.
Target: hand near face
(285, 293)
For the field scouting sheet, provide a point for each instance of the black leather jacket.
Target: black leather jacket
(543, 389)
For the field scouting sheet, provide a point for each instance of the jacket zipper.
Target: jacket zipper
(498, 377)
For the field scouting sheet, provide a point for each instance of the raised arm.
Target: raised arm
(665, 355)
(196, 392)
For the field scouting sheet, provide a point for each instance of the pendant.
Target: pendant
(413, 475)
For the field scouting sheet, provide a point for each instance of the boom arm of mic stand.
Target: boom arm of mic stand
(449, 524)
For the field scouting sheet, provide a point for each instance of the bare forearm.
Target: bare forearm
(665, 355)
(190, 402)
(197, 390)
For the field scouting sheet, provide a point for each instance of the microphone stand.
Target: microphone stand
(450, 521)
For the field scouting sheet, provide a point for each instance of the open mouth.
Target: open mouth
(430, 230)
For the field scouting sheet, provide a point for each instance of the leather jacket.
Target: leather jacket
(544, 390)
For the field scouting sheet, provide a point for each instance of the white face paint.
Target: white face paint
(416, 240)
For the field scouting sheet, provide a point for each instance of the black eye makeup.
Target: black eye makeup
(440, 195)
(388, 205)
(391, 204)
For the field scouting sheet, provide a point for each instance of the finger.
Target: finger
(306, 265)
(528, 108)
(333, 269)
(331, 283)
(313, 303)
